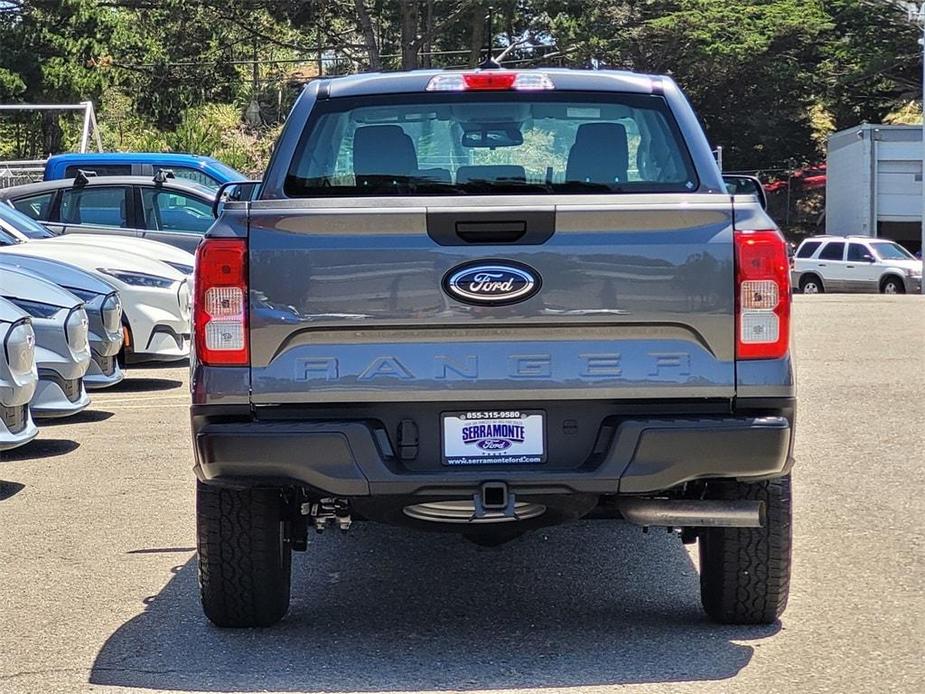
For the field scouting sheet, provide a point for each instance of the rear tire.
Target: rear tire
(244, 557)
(810, 284)
(892, 285)
(745, 572)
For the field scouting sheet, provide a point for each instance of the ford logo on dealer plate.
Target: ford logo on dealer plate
(492, 282)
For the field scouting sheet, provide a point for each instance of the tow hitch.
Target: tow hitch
(494, 500)
(328, 511)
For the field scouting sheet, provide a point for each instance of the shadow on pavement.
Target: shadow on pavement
(40, 448)
(161, 550)
(155, 365)
(137, 385)
(8, 489)
(85, 417)
(390, 609)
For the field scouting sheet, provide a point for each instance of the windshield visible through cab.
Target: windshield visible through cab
(891, 251)
(490, 143)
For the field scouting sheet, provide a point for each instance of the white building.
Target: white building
(874, 183)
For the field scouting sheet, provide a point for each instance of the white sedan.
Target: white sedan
(62, 353)
(25, 228)
(155, 296)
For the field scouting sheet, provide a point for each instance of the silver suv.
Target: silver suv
(855, 264)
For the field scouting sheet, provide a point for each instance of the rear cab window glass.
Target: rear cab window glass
(36, 206)
(808, 248)
(490, 143)
(96, 206)
(834, 250)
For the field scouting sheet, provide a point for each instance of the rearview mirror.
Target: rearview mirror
(738, 184)
(492, 136)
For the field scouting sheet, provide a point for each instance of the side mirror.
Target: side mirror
(869, 258)
(234, 191)
(738, 184)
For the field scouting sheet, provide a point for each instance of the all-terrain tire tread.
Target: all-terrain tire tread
(745, 572)
(244, 570)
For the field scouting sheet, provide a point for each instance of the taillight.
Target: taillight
(489, 80)
(762, 295)
(220, 302)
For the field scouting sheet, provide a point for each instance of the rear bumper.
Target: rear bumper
(352, 458)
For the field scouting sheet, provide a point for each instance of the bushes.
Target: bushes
(215, 130)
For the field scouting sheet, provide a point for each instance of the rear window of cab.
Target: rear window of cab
(490, 143)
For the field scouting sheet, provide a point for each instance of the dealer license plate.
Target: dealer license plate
(494, 437)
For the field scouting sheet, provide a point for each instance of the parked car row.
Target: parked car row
(74, 310)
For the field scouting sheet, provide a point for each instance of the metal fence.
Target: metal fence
(16, 173)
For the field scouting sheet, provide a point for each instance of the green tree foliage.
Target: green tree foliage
(770, 78)
(750, 68)
(51, 52)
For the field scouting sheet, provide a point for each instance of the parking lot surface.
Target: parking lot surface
(98, 574)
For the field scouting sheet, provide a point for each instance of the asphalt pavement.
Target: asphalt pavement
(98, 574)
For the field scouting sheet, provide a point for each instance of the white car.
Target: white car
(155, 297)
(855, 264)
(62, 341)
(18, 376)
(104, 309)
(25, 228)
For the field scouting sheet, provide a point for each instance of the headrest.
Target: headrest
(383, 150)
(600, 154)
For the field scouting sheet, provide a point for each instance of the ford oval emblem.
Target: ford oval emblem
(492, 282)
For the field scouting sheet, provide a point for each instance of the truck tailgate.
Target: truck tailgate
(636, 301)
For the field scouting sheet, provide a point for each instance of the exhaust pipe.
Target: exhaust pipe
(680, 513)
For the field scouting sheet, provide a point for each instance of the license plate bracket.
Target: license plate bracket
(493, 437)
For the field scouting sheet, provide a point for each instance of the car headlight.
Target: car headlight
(36, 309)
(20, 350)
(77, 330)
(112, 312)
(138, 279)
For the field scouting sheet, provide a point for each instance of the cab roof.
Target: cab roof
(417, 80)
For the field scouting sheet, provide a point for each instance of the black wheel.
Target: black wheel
(244, 557)
(810, 284)
(892, 285)
(745, 572)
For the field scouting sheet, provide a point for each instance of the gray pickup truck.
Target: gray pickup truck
(484, 302)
